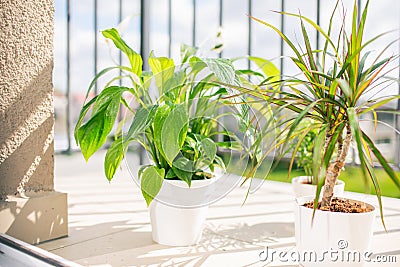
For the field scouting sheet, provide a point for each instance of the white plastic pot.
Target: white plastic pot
(178, 226)
(333, 238)
(301, 188)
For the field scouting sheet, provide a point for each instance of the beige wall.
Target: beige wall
(26, 95)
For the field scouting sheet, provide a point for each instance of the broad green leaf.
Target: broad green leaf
(222, 68)
(142, 169)
(209, 148)
(158, 122)
(184, 169)
(170, 129)
(92, 135)
(163, 69)
(267, 67)
(134, 58)
(143, 119)
(170, 174)
(196, 64)
(151, 183)
(172, 88)
(114, 156)
(82, 115)
(146, 79)
(173, 132)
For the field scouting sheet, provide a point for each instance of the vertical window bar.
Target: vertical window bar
(220, 24)
(169, 28)
(95, 43)
(396, 116)
(68, 81)
(318, 22)
(120, 115)
(220, 138)
(120, 53)
(144, 49)
(194, 24)
(282, 30)
(249, 44)
(144, 31)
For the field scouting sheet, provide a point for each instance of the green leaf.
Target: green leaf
(158, 122)
(267, 67)
(114, 156)
(209, 148)
(134, 58)
(143, 119)
(146, 79)
(196, 64)
(170, 174)
(142, 169)
(82, 115)
(92, 135)
(151, 182)
(163, 69)
(219, 161)
(388, 169)
(184, 169)
(222, 68)
(186, 52)
(172, 87)
(170, 129)
(234, 145)
(353, 121)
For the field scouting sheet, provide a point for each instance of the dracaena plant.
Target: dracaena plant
(177, 125)
(334, 91)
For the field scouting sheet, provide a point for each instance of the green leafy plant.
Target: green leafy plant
(177, 128)
(332, 91)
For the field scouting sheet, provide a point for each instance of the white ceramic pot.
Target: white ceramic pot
(178, 226)
(333, 238)
(301, 188)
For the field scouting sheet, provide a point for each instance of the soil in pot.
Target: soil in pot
(342, 205)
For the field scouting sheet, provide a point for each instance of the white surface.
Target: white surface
(109, 224)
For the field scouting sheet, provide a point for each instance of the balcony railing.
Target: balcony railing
(163, 24)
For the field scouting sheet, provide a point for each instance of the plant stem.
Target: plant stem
(334, 169)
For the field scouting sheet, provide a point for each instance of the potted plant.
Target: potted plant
(177, 125)
(332, 91)
(305, 185)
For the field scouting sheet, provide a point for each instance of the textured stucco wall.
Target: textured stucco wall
(26, 95)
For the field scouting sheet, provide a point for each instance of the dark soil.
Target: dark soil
(343, 205)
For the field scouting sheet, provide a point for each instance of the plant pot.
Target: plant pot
(301, 188)
(333, 238)
(178, 226)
